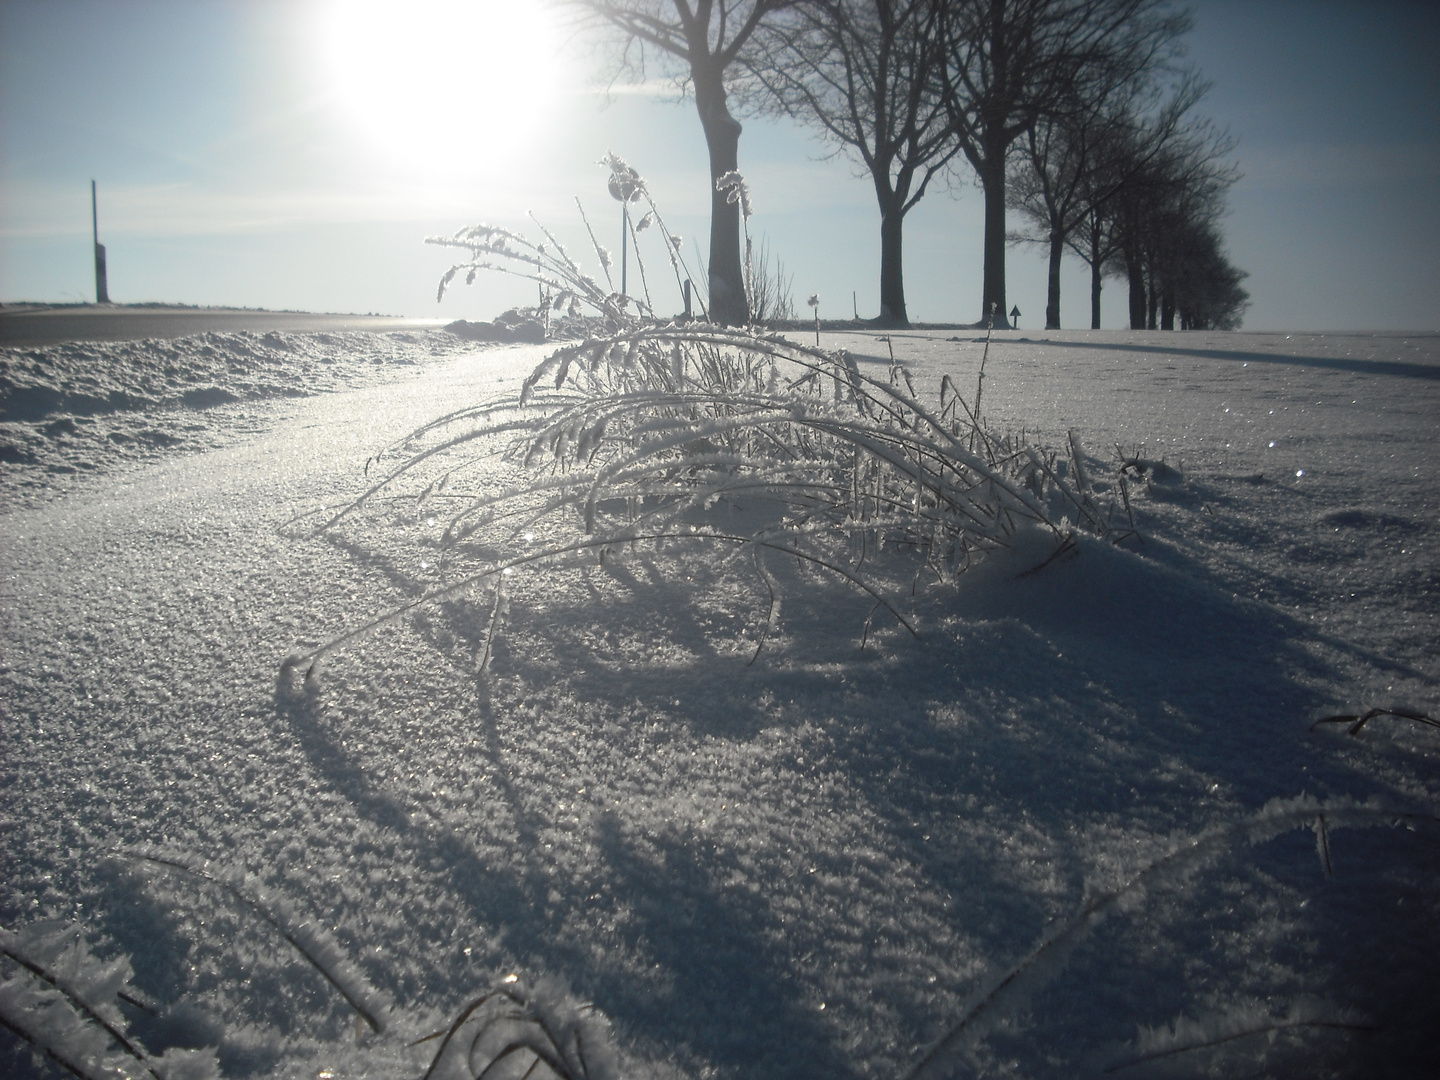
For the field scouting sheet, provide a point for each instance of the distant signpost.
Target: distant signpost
(102, 293)
(1015, 317)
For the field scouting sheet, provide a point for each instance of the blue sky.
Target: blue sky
(245, 155)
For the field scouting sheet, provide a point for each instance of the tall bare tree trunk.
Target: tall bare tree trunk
(1136, 276)
(992, 179)
(1094, 227)
(892, 277)
(1052, 285)
(728, 304)
(1095, 295)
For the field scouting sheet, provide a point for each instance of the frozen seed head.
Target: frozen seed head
(737, 191)
(625, 183)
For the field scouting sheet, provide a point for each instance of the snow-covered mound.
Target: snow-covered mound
(1082, 826)
(85, 406)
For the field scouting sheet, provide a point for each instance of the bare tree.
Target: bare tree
(1205, 290)
(1096, 237)
(1057, 184)
(1176, 193)
(1010, 62)
(705, 38)
(867, 74)
(1074, 160)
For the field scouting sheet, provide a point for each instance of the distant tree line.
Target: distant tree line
(1076, 115)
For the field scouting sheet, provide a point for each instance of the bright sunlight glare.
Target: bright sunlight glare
(444, 84)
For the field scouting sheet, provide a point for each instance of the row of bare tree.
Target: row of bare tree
(1075, 113)
(1135, 188)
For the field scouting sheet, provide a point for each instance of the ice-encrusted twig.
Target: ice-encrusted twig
(601, 253)
(492, 627)
(1048, 956)
(1359, 720)
(60, 1034)
(980, 378)
(69, 1009)
(1184, 1035)
(571, 1038)
(305, 935)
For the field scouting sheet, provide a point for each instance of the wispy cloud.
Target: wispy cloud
(190, 209)
(1314, 166)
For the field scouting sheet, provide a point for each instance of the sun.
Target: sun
(444, 83)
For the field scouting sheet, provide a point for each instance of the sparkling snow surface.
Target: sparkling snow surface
(800, 867)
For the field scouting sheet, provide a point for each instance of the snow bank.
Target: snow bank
(84, 407)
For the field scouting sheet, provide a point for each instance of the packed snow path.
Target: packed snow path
(801, 867)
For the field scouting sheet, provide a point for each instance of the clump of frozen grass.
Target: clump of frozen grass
(772, 297)
(565, 285)
(64, 1002)
(644, 435)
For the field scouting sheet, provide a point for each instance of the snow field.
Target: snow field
(805, 866)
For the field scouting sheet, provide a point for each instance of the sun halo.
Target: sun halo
(455, 84)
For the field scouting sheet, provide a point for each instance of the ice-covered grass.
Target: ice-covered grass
(649, 435)
(653, 438)
(810, 865)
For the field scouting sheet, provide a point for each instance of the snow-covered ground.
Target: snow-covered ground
(80, 407)
(808, 866)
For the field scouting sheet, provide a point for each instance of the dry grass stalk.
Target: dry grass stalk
(1359, 720)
